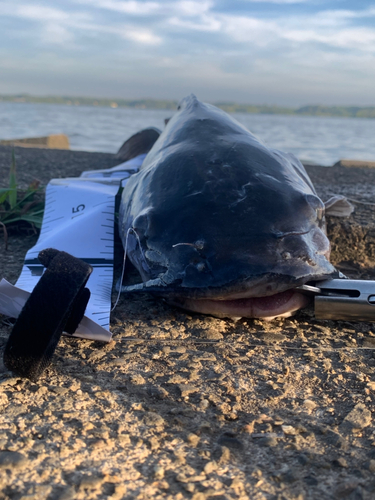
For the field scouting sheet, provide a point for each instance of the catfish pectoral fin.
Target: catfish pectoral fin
(338, 206)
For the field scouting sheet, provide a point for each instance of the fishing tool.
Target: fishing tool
(343, 299)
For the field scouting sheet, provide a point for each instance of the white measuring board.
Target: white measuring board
(79, 219)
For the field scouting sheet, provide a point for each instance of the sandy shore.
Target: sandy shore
(185, 406)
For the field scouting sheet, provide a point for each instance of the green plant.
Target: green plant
(18, 206)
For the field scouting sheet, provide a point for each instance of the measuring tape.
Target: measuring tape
(79, 218)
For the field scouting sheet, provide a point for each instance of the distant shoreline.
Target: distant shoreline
(310, 110)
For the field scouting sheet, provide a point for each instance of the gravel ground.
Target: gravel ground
(186, 406)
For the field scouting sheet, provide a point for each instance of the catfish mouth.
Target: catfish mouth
(265, 297)
(282, 304)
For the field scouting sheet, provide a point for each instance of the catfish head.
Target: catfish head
(217, 222)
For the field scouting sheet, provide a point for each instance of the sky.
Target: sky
(281, 52)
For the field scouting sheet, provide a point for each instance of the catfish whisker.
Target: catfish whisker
(119, 283)
(198, 245)
(139, 241)
(180, 244)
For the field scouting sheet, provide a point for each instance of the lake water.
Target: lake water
(317, 139)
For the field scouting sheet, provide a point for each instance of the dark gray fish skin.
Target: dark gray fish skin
(217, 214)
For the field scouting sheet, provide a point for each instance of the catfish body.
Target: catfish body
(217, 222)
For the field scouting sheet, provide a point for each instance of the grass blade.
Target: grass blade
(4, 193)
(5, 235)
(18, 206)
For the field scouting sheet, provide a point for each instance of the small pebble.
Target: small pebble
(267, 441)
(12, 459)
(210, 467)
(158, 472)
(230, 442)
(289, 430)
(357, 419)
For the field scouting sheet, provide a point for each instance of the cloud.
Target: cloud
(127, 7)
(251, 29)
(41, 13)
(141, 36)
(333, 29)
(190, 7)
(227, 46)
(64, 28)
(355, 38)
(164, 8)
(56, 34)
(55, 26)
(330, 28)
(277, 1)
(204, 23)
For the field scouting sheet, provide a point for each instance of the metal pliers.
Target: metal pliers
(345, 299)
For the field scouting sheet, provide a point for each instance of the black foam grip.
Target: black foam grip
(77, 311)
(57, 302)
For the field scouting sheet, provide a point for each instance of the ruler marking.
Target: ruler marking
(49, 212)
(102, 203)
(54, 220)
